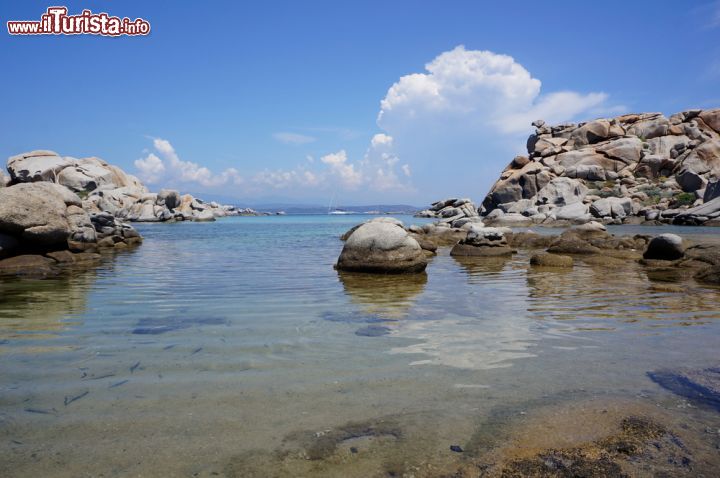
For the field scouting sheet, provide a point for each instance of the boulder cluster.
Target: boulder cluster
(56, 211)
(453, 212)
(107, 188)
(384, 245)
(634, 168)
(43, 225)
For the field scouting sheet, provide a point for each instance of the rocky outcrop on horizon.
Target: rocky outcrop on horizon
(107, 188)
(453, 212)
(635, 168)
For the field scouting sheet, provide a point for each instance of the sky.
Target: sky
(359, 102)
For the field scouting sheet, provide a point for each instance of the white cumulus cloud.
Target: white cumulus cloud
(342, 169)
(482, 89)
(151, 168)
(168, 167)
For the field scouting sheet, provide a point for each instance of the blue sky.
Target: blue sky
(281, 100)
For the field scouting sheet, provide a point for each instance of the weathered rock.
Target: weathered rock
(711, 118)
(668, 247)
(545, 259)
(704, 159)
(169, 198)
(712, 191)
(381, 247)
(40, 165)
(591, 132)
(571, 242)
(576, 212)
(629, 157)
(690, 181)
(612, 207)
(562, 191)
(88, 174)
(36, 213)
(627, 150)
(650, 126)
(486, 242)
(698, 214)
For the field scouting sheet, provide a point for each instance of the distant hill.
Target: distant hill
(375, 208)
(298, 207)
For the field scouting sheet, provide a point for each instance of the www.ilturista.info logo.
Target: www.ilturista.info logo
(56, 21)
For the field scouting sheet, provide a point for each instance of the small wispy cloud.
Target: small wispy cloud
(293, 138)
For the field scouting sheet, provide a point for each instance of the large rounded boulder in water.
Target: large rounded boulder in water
(381, 247)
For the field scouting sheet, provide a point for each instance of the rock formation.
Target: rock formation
(42, 224)
(107, 188)
(381, 246)
(453, 212)
(632, 169)
(485, 241)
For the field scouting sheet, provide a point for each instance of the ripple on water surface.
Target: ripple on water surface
(238, 340)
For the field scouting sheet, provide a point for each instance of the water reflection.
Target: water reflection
(44, 308)
(592, 297)
(386, 295)
(32, 307)
(482, 265)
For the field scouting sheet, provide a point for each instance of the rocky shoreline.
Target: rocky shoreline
(632, 169)
(58, 211)
(107, 188)
(385, 245)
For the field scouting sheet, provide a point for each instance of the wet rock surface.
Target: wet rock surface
(485, 241)
(545, 259)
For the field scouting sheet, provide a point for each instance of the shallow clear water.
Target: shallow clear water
(229, 348)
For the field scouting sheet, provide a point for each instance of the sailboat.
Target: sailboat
(337, 211)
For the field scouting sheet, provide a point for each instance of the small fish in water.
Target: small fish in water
(134, 367)
(41, 411)
(117, 384)
(69, 400)
(15, 442)
(168, 347)
(196, 350)
(100, 377)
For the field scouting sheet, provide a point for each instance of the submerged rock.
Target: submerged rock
(701, 386)
(27, 265)
(545, 259)
(709, 275)
(382, 247)
(372, 331)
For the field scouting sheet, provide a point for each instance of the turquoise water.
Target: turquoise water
(229, 348)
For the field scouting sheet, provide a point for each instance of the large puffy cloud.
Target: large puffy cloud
(472, 109)
(480, 88)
